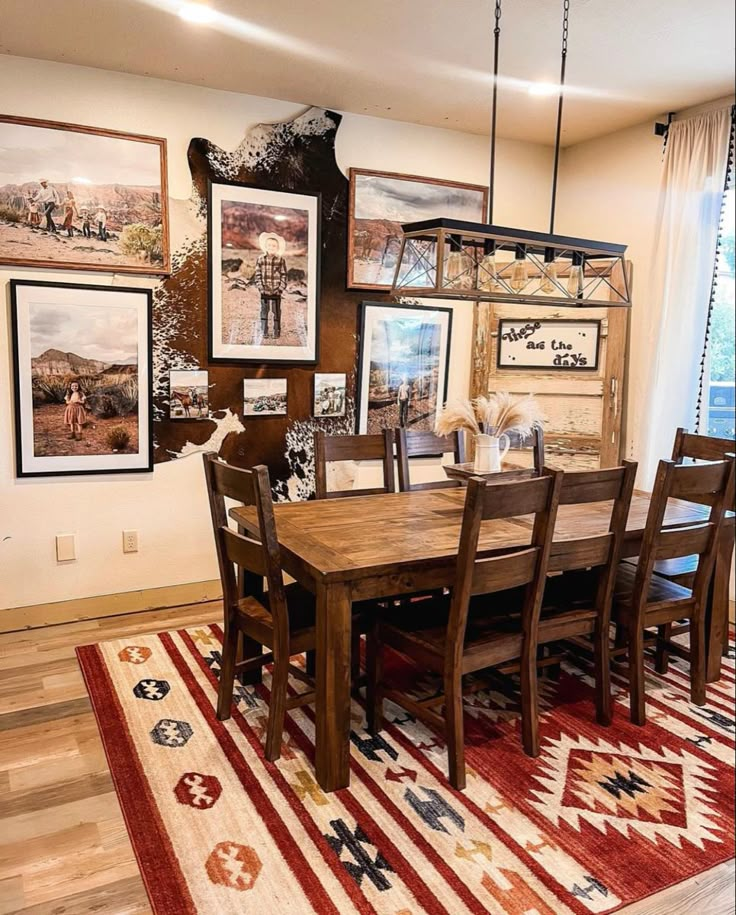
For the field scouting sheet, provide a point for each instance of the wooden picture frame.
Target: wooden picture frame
(450, 205)
(565, 359)
(98, 208)
(426, 397)
(98, 436)
(303, 281)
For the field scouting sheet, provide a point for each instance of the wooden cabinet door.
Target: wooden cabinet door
(584, 409)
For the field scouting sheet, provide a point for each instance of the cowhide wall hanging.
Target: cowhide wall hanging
(296, 156)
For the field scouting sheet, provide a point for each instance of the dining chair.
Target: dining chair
(281, 617)
(643, 600)
(330, 448)
(423, 444)
(446, 638)
(578, 601)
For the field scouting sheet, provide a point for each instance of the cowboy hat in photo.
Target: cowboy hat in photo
(266, 236)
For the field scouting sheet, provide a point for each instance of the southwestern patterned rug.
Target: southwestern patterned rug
(604, 817)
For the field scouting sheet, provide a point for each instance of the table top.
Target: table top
(353, 538)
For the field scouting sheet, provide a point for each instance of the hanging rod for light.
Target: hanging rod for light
(452, 259)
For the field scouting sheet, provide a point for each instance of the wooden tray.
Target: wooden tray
(466, 471)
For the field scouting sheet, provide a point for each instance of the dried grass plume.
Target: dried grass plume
(496, 414)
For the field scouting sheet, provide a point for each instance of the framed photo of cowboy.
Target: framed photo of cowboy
(264, 258)
(82, 198)
(188, 394)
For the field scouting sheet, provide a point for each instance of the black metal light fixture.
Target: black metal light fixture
(452, 259)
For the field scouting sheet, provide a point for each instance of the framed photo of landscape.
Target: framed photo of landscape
(264, 259)
(381, 202)
(82, 198)
(82, 378)
(264, 396)
(403, 366)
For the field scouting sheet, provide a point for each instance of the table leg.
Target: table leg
(334, 610)
(719, 605)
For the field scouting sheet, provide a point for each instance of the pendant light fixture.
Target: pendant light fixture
(453, 259)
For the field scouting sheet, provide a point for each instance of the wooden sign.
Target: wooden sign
(548, 344)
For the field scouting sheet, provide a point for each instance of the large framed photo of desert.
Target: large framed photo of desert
(264, 248)
(82, 198)
(82, 373)
(403, 366)
(381, 202)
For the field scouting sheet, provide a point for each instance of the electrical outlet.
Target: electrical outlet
(130, 541)
(66, 548)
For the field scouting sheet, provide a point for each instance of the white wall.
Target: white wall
(168, 507)
(609, 188)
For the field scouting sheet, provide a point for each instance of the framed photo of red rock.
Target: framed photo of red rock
(264, 259)
(381, 202)
(82, 378)
(82, 198)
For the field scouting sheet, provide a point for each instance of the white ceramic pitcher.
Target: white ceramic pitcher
(489, 452)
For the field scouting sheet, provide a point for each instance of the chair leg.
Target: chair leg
(373, 695)
(529, 703)
(636, 674)
(227, 673)
(697, 658)
(602, 655)
(310, 665)
(455, 733)
(662, 657)
(277, 707)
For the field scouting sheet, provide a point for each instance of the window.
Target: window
(718, 404)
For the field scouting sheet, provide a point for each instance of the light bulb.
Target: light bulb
(548, 282)
(519, 270)
(577, 276)
(459, 266)
(487, 275)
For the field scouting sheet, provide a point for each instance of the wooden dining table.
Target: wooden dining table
(379, 546)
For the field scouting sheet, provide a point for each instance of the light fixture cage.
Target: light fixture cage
(452, 259)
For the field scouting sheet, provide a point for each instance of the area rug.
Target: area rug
(604, 816)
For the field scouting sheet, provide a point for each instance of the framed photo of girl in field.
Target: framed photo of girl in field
(82, 367)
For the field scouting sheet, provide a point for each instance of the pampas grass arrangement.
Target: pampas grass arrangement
(493, 415)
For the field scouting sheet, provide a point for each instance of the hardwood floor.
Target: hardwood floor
(64, 849)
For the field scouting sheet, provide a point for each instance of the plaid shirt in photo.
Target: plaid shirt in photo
(271, 274)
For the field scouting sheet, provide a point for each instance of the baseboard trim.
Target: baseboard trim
(35, 616)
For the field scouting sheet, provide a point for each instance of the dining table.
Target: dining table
(383, 546)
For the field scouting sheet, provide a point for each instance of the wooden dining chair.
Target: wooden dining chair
(518, 446)
(449, 640)
(281, 617)
(643, 600)
(424, 444)
(376, 447)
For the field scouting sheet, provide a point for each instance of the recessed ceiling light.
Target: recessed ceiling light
(543, 89)
(198, 13)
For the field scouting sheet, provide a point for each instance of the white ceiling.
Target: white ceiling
(425, 61)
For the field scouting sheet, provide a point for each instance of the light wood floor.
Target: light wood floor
(64, 849)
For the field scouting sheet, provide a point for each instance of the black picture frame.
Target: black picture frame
(261, 359)
(360, 395)
(14, 286)
(595, 322)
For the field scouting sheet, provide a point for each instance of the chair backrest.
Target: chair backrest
(687, 445)
(417, 444)
(525, 566)
(705, 484)
(255, 559)
(376, 447)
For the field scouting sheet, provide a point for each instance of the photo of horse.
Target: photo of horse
(188, 394)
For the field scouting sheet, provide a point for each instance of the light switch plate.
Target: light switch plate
(66, 547)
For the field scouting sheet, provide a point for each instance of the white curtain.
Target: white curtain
(694, 175)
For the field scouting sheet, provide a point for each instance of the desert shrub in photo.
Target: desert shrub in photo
(138, 238)
(10, 214)
(118, 438)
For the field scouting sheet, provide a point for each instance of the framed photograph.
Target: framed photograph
(82, 372)
(403, 366)
(548, 344)
(82, 198)
(263, 274)
(329, 394)
(188, 394)
(264, 397)
(381, 202)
